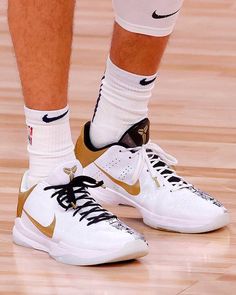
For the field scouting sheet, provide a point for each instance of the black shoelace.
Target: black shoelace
(166, 172)
(70, 195)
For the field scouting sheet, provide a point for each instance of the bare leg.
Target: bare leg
(136, 53)
(42, 32)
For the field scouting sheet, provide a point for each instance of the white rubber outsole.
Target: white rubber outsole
(75, 256)
(108, 196)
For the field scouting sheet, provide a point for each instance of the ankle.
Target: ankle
(122, 102)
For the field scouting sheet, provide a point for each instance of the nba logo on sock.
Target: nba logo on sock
(30, 134)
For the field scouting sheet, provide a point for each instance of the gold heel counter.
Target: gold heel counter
(84, 154)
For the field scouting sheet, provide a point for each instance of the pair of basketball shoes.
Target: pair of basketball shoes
(62, 216)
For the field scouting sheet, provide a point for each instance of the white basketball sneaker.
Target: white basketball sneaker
(59, 216)
(137, 172)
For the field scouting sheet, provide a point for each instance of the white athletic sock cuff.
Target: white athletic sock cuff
(127, 79)
(36, 117)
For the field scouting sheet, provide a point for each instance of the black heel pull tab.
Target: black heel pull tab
(136, 135)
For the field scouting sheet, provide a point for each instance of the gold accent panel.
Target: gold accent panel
(156, 181)
(46, 230)
(85, 155)
(22, 197)
(133, 189)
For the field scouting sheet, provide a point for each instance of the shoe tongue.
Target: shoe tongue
(136, 135)
(62, 173)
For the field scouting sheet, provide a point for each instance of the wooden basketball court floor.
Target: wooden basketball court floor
(193, 114)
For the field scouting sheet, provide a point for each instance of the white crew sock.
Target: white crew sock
(49, 141)
(122, 102)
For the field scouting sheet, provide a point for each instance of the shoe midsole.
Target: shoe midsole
(25, 237)
(113, 197)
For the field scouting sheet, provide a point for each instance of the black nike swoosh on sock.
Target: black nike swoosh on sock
(49, 120)
(145, 82)
(159, 16)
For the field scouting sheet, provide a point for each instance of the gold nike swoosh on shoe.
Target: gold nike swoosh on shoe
(133, 189)
(46, 230)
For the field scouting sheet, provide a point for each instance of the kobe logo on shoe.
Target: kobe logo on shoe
(143, 133)
(70, 172)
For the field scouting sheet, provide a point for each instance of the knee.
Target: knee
(149, 17)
